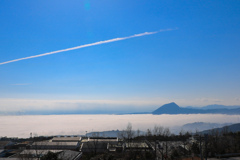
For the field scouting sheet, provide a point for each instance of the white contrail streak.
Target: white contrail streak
(87, 45)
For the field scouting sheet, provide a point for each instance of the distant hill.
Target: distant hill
(173, 108)
(134, 113)
(215, 106)
(201, 126)
(229, 128)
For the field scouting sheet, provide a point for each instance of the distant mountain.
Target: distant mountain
(173, 108)
(229, 128)
(215, 106)
(201, 126)
(134, 113)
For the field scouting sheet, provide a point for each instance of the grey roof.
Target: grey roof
(104, 140)
(100, 139)
(55, 145)
(136, 145)
(91, 147)
(66, 139)
(4, 143)
(63, 154)
(39, 151)
(15, 159)
(70, 155)
(45, 143)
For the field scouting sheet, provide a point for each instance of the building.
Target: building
(62, 154)
(65, 139)
(4, 144)
(98, 144)
(55, 145)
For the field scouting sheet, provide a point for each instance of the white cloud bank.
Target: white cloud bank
(87, 45)
(46, 125)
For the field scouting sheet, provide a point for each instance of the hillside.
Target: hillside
(228, 128)
(201, 126)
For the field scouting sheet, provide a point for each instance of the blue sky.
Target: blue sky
(196, 63)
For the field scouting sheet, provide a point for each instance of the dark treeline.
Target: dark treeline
(187, 145)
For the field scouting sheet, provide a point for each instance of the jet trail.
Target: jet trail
(87, 45)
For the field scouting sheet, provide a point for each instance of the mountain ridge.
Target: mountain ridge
(229, 128)
(173, 108)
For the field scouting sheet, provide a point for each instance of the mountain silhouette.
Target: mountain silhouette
(173, 108)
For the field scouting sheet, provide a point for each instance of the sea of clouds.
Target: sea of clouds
(46, 125)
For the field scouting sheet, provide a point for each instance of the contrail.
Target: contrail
(87, 45)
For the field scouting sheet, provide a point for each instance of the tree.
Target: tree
(158, 130)
(166, 132)
(128, 134)
(93, 142)
(149, 133)
(195, 148)
(50, 156)
(138, 133)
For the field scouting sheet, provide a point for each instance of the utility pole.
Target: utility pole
(166, 149)
(201, 147)
(156, 150)
(206, 141)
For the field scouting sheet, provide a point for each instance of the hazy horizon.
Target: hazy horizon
(89, 108)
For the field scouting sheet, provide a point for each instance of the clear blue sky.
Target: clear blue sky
(196, 64)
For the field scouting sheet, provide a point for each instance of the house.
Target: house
(70, 155)
(4, 144)
(65, 139)
(55, 145)
(98, 144)
(137, 146)
(62, 154)
(94, 147)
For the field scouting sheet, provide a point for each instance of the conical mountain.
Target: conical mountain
(170, 108)
(173, 108)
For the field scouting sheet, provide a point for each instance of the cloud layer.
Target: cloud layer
(78, 124)
(87, 45)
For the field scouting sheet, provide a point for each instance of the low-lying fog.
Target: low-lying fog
(45, 125)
